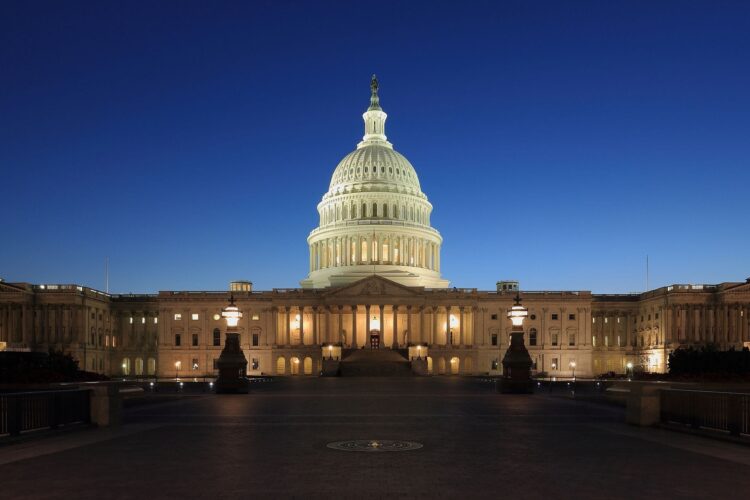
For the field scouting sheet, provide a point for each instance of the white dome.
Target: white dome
(374, 217)
(374, 166)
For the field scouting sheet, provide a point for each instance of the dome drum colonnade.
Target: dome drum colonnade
(374, 219)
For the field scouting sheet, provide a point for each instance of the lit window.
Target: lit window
(195, 363)
(114, 341)
(178, 317)
(593, 341)
(194, 316)
(143, 320)
(156, 320)
(256, 317)
(131, 320)
(606, 320)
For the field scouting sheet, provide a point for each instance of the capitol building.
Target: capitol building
(374, 286)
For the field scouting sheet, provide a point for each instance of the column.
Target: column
(329, 333)
(315, 325)
(448, 336)
(301, 325)
(367, 326)
(288, 332)
(381, 320)
(461, 325)
(408, 321)
(421, 323)
(273, 326)
(433, 334)
(394, 344)
(354, 327)
(340, 326)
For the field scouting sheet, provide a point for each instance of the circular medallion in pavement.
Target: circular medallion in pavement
(374, 445)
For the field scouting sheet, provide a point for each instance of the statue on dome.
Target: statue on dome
(374, 84)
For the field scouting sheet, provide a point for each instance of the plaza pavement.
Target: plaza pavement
(272, 444)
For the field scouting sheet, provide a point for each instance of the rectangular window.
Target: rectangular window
(571, 317)
(554, 317)
(606, 341)
(195, 340)
(195, 363)
(555, 364)
(554, 339)
(494, 364)
(255, 339)
(177, 339)
(215, 365)
(178, 317)
(532, 337)
(217, 337)
(114, 341)
(593, 340)
(494, 339)
(494, 316)
(618, 341)
(256, 364)
(572, 339)
(194, 316)
(256, 317)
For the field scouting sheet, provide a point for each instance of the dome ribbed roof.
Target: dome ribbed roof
(375, 164)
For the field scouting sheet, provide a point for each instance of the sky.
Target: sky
(560, 143)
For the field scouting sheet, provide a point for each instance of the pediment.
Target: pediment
(374, 286)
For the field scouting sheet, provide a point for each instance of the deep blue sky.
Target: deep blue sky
(191, 141)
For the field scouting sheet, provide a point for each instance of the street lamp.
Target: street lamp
(573, 367)
(516, 362)
(232, 363)
(177, 366)
(630, 370)
(330, 351)
(419, 352)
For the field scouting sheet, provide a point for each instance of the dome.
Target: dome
(378, 166)
(374, 218)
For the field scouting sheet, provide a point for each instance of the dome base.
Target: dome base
(408, 276)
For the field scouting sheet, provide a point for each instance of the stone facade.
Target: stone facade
(288, 331)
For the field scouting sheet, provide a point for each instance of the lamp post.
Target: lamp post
(630, 370)
(177, 365)
(573, 367)
(232, 363)
(517, 363)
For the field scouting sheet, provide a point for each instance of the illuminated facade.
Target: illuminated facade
(374, 283)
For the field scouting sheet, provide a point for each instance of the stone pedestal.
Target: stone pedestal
(106, 405)
(644, 405)
(517, 363)
(232, 367)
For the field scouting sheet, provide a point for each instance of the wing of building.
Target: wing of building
(374, 284)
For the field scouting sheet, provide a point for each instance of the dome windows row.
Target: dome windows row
(366, 210)
(346, 175)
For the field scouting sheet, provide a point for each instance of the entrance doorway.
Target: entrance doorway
(374, 339)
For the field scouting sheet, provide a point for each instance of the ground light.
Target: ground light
(232, 363)
(517, 363)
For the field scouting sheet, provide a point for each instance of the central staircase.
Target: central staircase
(375, 363)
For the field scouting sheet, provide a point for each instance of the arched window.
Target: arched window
(354, 211)
(308, 366)
(280, 365)
(364, 210)
(374, 209)
(395, 211)
(126, 366)
(139, 366)
(346, 214)
(385, 211)
(151, 366)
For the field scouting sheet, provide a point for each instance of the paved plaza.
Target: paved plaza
(272, 443)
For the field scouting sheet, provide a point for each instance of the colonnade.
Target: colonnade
(394, 325)
(377, 248)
